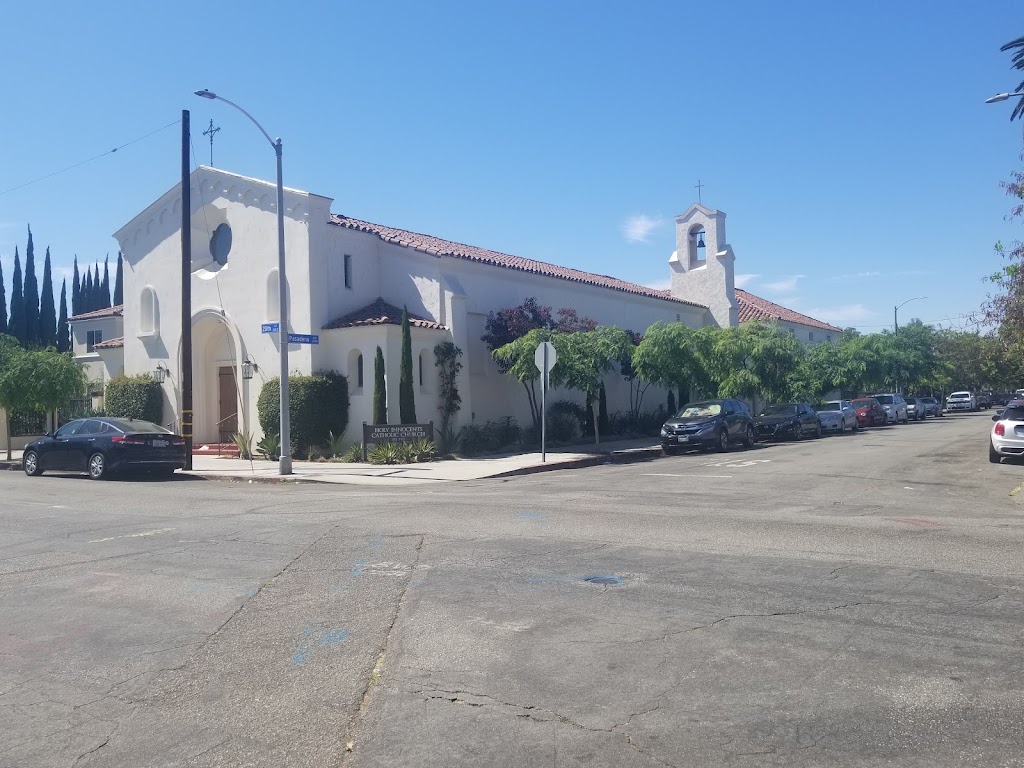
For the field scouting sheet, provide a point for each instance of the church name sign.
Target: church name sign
(375, 434)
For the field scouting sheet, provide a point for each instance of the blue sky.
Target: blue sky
(848, 143)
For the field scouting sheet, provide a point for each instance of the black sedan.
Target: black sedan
(708, 424)
(103, 445)
(791, 421)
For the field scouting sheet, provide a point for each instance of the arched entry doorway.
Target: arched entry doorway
(217, 396)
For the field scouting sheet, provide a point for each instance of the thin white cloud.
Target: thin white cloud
(783, 285)
(843, 316)
(660, 285)
(637, 229)
(742, 281)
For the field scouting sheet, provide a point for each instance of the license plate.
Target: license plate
(160, 443)
(682, 439)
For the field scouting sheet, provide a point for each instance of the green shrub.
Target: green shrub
(318, 406)
(422, 450)
(353, 455)
(561, 429)
(335, 444)
(387, 453)
(134, 397)
(244, 442)
(491, 436)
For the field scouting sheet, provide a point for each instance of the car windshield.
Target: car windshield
(828, 407)
(137, 425)
(779, 410)
(885, 399)
(862, 403)
(960, 396)
(696, 410)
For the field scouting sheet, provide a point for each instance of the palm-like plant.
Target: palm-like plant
(1018, 63)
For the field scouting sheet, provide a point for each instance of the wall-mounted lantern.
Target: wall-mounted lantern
(160, 374)
(248, 366)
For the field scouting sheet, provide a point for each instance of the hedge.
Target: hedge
(134, 397)
(318, 404)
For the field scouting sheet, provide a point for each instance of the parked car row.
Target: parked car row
(718, 424)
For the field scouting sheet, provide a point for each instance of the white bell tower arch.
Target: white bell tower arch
(703, 264)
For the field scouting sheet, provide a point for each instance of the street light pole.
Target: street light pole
(896, 309)
(284, 466)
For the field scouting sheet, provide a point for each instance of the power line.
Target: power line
(83, 162)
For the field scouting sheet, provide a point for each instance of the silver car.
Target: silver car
(837, 416)
(895, 408)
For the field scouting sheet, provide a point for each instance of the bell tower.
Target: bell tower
(703, 264)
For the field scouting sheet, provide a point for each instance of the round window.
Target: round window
(220, 244)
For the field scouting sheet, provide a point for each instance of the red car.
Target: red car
(869, 412)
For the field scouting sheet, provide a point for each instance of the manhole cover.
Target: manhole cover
(608, 581)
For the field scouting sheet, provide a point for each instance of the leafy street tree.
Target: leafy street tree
(47, 311)
(3, 303)
(76, 291)
(380, 395)
(511, 323)
(16, 324)
(516, 359)
(31, 295)
(11, 391)
(406, 394)
(585, 357)
(119, 281)
(63, 329)
(675, 356)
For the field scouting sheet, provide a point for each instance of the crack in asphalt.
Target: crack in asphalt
(364, 701)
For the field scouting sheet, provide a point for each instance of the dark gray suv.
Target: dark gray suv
(708, 424)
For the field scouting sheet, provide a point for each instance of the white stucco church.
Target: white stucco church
(347, 282)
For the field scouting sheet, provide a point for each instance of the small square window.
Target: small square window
(92, 338)
(810, 335)
(348, 271)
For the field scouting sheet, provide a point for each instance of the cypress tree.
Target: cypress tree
(105, 286)
(76, 291)
(47, 312)
(97, 302)
(3, 301)
(119, 281)
(16, 325)
(87, 292)
(380, 398)
(63, 329)
(406, 396)
(31, 294)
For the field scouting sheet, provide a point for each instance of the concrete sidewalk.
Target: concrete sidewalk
(564, 457)
(214, 468)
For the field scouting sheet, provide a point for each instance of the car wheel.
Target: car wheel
(669, 450)
(993, 454)
(97, 466)
(817, 431)
(723, 441)
(30, 461)
(748, 438)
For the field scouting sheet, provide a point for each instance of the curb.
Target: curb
(616, 457)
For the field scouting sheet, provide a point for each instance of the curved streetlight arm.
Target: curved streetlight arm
(916, 298)
(1003, 97)
(211, 95)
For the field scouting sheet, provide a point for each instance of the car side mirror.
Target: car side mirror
(997, 416)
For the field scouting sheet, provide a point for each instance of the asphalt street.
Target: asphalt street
(850, 601)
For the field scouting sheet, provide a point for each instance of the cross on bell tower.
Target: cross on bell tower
(211, 131)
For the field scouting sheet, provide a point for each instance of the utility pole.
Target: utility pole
(186, 290)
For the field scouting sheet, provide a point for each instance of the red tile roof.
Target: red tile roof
(438, 247)
(381, 313)
(110, 343)
(115, 311)
(755, 308)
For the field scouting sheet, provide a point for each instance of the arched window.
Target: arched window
(149, 313)
(356, 377)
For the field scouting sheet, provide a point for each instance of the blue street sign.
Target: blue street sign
(270, 328)
(303, 338)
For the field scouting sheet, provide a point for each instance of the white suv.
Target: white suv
(1007, 438)
(961, 401)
